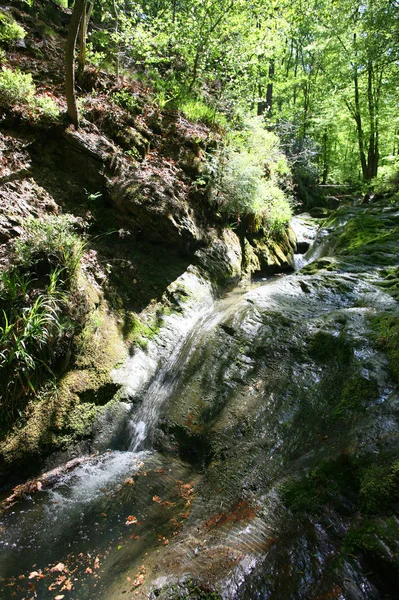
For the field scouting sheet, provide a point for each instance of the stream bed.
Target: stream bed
(254, 455)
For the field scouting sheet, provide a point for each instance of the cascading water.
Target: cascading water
(279, 399)
(84, 510)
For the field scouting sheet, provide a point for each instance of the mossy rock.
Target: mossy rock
(385, 332)
(356, 396)
(325, 346)
(321, 264)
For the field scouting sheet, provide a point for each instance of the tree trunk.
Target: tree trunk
(269, 90)
(117, 42)
(325, 156)
(84, 26)
(72, 109)
(358, 120)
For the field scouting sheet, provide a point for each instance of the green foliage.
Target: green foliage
(10, 31)
(251, 171)
(54, 241)
(18, 88)
(197, 110)
(15, 87)
(30, 325)
(46, 107)
(126, 100)
(34, 310)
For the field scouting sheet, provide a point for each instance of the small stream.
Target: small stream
(236, 400)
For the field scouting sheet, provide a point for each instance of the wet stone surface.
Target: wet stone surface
(276, 469)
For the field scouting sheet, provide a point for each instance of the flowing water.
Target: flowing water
(237, 400)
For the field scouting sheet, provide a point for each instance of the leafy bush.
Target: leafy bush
(252, 172)
(10, 31)
(16, 88)
(46, 107)
(126, 100)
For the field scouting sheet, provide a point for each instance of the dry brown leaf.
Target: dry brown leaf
(59, 568)
(67, 585)
(36, 574)
(156, 499)
(131, 520)
(96, 563)
(139, 580)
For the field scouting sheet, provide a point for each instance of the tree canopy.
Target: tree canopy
(322, 73)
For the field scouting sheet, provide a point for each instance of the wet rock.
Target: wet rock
(222, 259)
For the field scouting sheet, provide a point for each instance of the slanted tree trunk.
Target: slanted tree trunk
(72, 109)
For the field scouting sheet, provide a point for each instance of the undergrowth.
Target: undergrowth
(18, 88)
(252, 173)
(36, 315)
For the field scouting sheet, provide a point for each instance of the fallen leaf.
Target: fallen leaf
(36, 574)
(167, 503)
(88, 570)
(138, 581)
(131, 520)
(59, 597)
(96, 563)
(156, 499)
(59, 568)
(67, 585)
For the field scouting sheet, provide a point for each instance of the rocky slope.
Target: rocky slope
(129, 179)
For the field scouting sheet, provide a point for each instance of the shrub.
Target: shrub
(46, 107)
(126, 100)
(15, 88)
(251, 173)
(18, 88)
(10, 31)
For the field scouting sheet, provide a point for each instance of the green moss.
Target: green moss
(324, 346)
(379, 486)
(80, 420)
(356, 395)
(184, 590)
(328, 483)
(385, 331)
(366, 233)
(376, 538)
(322, 264)
(390, 283)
